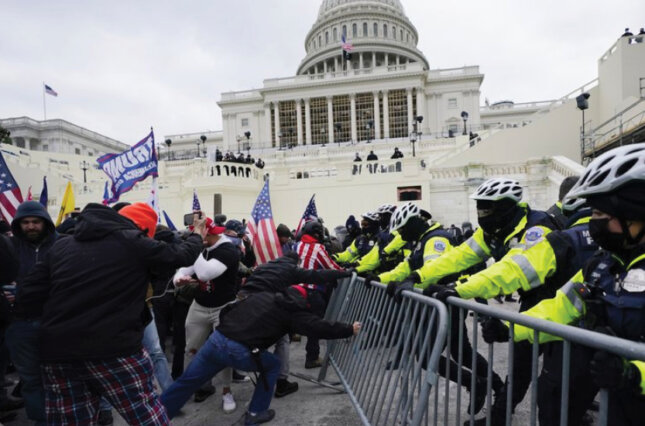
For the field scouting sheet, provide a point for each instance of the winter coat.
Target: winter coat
(262, 318)
(89, 290)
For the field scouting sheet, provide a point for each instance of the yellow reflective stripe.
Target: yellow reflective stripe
(569, 290)
(474, 246)
(528, 270)
(430, 257)
(349, 249)
(635, 261)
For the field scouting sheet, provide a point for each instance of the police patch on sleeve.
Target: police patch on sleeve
(439, 246)
(534, 236)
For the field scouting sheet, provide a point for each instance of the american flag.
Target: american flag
(10, 195)
(311, 213)
(261, 227)
(196, 205)
(153, 198)
(50, 91)
(347, 47)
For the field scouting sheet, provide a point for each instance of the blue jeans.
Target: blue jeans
(217, 353)
(23, 340)
(158, 358)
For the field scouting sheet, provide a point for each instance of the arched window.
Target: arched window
(335, 32)
(326, 37)
(393, 32)
(385, 30)
(408, 38)
(345, 31)
(319, 41)
(314, 44)
(354, 30)
(401, 35)
(375, 29)
(364, 29)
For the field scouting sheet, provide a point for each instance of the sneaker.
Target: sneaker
(240, 378)
(313, 363)
(228, 403)
(105, 418)
(251, 419)
(204, 392)
(284, 387)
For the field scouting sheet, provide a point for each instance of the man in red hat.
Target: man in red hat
(89, 292)
(213, 273)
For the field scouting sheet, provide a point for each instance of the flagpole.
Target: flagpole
(44, 103)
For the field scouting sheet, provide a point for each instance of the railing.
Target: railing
(631, 118)
(390, 371)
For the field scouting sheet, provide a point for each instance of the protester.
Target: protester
(247, 329)
(89, 291)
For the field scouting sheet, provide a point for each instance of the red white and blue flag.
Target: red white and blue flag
(106, 194)
(44, 193)
(50, 91)
(261, 227)
(347, 47)
(311, 213)
(196, 206)
(10, 195)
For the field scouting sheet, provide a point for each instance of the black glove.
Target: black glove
(368, 280)
(396, 288)
(612, 372)
(493, 330)
(430, 290)
(442, 293)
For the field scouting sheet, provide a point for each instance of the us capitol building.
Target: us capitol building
(308, 128)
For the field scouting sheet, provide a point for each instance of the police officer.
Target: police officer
(609, 293)
(364, 242)
(540, 270)
(388, 252)
(506, 227)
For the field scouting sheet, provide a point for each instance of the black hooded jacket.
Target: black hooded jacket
(89, 290)
(30, 253)
(262, 318)
(282, 272)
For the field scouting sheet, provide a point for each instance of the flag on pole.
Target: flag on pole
(153, 199)
(169, 222)
(311, 213)
(68, 204)
(196, 205)
(106, 194)
(44, 194)
(29, 196)
(261, 227)
(10, 195)
(347, 47)
(50, 91)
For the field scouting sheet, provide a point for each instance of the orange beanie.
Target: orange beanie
(143, 216)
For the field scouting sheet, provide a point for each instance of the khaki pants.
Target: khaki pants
(200, 323)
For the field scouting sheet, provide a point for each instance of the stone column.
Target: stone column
(398, 60)
(277, 123)
(335, 63)
(377, 117)
(325, 67)
(307, 122)
(410, 110)
(386, 116)
(387, 60)
(299, 120)
(373, 59)
(360, 61)
(330, 120)
(352, 100)
(266, 135)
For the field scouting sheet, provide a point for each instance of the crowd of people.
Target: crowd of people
(239, 158)
(89, 307)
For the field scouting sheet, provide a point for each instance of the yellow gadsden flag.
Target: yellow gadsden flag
(68, 205)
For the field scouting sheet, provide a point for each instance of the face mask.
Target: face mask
(599, 231)
(494, 222)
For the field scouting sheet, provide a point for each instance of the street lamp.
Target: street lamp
(203, 139)
(84, 167)
(582, 102)
(198, 142)
(338, 127)
(415, 134)
(464, 116)
(247, 134)
(168, 143)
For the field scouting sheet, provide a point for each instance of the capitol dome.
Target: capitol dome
(379, 31)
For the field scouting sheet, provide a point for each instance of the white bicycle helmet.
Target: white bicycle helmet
(373, 216)
(498, 189)
(571, 204)
(611, 170)
(402, 215)
(386, 208)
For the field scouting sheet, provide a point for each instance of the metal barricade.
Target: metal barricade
(526, 412)
(389, 369)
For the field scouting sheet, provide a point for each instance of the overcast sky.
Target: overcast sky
(122, 66)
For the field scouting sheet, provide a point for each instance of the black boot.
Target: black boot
(284, 387)
(480, 396)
